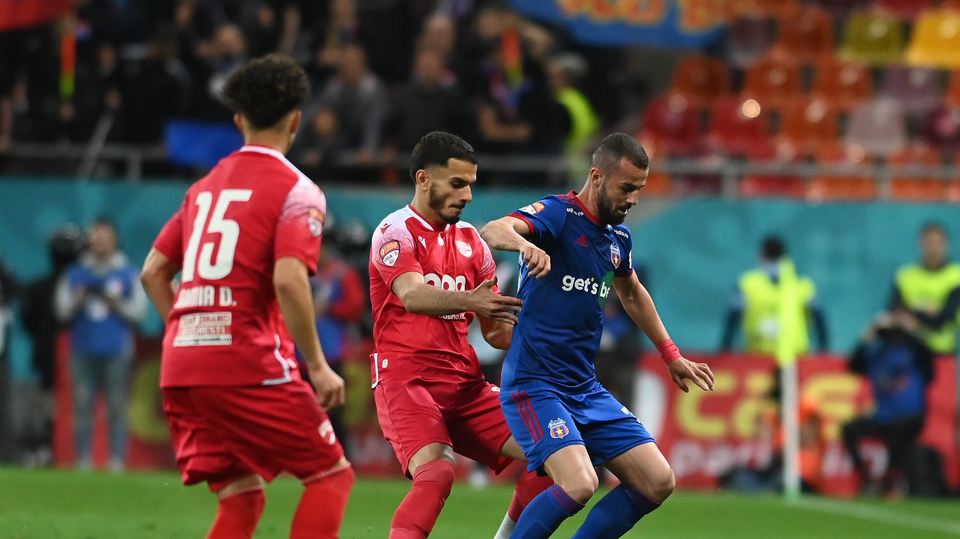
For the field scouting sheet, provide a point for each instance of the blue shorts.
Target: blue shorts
(543, 420)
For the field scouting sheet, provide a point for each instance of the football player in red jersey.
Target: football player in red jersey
(430, 275)
(245, 241)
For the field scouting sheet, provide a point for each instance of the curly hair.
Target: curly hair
(267, 89)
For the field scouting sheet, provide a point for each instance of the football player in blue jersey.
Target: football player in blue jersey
(574, 249)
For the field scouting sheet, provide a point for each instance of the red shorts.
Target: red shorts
(463, 413)
(222, 433)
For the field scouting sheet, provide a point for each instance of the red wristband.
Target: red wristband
(668, 351)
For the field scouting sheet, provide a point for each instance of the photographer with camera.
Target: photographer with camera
(100, 298)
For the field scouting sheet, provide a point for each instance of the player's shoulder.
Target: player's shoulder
(395, 224)
(622, 232)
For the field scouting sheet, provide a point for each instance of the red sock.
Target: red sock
(321, 507)
(238, 515)
(419, 510)
(529, 485)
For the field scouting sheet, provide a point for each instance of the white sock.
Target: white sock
(506, 528)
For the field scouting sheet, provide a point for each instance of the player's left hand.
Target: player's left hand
(331, 391)
(683, 369)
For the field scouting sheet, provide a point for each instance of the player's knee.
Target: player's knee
(440, 473)
(580, 485)
(663, 488)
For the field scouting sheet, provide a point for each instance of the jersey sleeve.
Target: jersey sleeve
(170, 240)
(625, 268)
(393, 253)
(544, 217)
(300, 225)
(488, 267)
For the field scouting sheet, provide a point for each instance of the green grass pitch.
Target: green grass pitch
(57, 504)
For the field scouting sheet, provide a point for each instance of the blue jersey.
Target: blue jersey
(558, 336)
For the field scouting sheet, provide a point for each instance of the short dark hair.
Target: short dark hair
(934, 226)
(615, 147)
(772, 248)
(267, 89)
(438, 147)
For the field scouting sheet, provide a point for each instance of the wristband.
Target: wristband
(668, 351)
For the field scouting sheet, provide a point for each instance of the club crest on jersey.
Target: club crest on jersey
(465, 248)
(615, 255)
(315, 221)
(390, 252)
(558, 428)
(536, 207)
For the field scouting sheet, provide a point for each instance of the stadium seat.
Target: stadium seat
(671, 126)
(772, 81)
(807, 36)
(952, 97)
(761, 8)
(702, 79)
(740, 126)
(749, 40)
(911, 159)
(874, 38)
(805, 125)
(907, 10)
(841, 8)
(915, 89)
(842, 85)
(199, 144)
(772, 186)
(848, 180)
(936, 40)
(878, 127)
(941, 129)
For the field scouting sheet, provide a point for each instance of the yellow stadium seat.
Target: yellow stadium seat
(936, 40)
(873, 38)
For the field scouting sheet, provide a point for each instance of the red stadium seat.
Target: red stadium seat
(658, 184)
(772, 186)
(806, 125)
(740, 126)
(843, 85)
(905, 9)
(941, 129)
(772, 81)
(702, 79)
(807, 36)
(671, 126)
(952, 97)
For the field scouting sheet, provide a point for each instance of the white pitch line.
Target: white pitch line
(873, 514)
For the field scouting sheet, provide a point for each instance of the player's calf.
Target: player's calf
(419, 510)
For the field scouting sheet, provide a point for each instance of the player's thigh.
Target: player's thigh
(541, 424)
(477, 426)
(409, 417)
(571, 469)
(646, 469)
(608, 428)
(274, 428)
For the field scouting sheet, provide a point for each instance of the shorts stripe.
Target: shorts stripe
(533, 415)
(523, 416)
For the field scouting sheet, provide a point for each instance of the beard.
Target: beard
(607, 212)
(438, 204)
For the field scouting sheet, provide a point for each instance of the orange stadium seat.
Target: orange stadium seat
(671, 126)
(658, 184)
(878, 127)
(807, 124)
(703, 79)
(772, 81)
(772, 186)
(843, 85)
(807, 36)
(874, 38)
(740, 126)
(917, 188)
(905, 9)
(849, 182)
(936, 40)
(952, 97)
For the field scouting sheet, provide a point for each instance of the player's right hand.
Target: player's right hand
(538, 261)
(331, 391)
(486, 302)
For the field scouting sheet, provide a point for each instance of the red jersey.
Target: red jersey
(452, 258)
(225, 328)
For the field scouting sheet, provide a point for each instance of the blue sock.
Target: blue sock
(544, 514)
(615, 514)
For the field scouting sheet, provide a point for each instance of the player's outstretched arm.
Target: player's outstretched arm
(291, 281)
(508, 234)
(639, 305)
(498, 334)
(420, 298)
(157, 279)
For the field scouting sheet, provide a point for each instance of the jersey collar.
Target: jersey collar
(425, 222)
(579, 204)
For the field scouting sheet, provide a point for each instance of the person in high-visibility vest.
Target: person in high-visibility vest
(930, 291)
(756, 307)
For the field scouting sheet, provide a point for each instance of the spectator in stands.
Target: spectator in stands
(228, 53)
(317, 144)
(756, 306)
(431, 101)
(124, 22)
(439, 35)
(565, 70)
(899, 366)
(100, 298)
(359, 99)
(39, 319)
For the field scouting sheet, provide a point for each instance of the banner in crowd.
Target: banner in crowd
(660, 23)
(19, 14)
(705, 435)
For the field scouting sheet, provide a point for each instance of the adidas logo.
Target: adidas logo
(582, 241)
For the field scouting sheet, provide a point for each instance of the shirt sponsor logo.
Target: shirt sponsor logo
(590, 285)
(558, 428)
(615, 255)
(390, 252)
(315, 221)
(536, 207)
(204, 329)
(465, 248)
